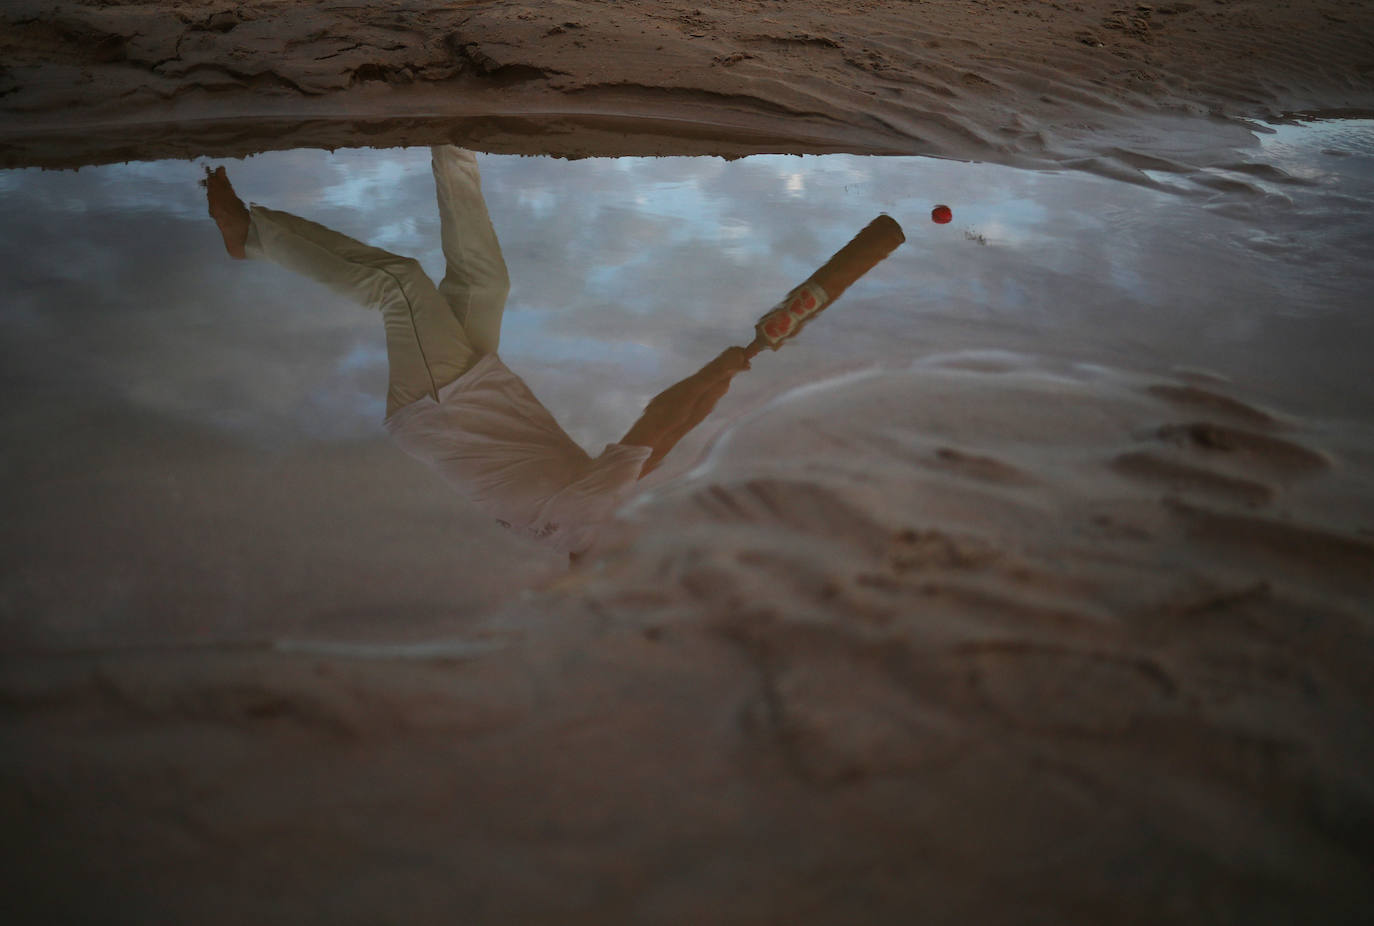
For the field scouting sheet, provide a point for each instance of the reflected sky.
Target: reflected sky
(129, 339)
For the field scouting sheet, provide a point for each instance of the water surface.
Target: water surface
(195, 449)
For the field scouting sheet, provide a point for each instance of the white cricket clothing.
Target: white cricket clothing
(490, 438)
(451, 402)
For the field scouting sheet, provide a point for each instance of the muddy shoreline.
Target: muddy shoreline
(1017, 83)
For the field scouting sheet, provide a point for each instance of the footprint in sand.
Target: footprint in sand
(1065, 690)
(1195, 398)
(1214, 461)
(1284, 459)
(1181, 476)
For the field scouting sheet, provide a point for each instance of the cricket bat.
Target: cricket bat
(864, 252)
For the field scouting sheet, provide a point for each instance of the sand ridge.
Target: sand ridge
(1010, 81)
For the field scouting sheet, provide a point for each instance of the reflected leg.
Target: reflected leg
(426, 347)
(475, 282)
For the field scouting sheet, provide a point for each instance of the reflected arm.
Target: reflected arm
(675, 411)
(228, 211)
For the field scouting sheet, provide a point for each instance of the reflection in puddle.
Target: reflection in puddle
(455, 405)
(203, 439)
(1037, 568)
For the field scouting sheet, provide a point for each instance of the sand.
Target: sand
(941, 661)
(1020, 82)
(1054, 644)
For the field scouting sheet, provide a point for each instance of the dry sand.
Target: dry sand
(1046, 646)
(95, 80)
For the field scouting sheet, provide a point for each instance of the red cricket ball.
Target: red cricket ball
(941, 215)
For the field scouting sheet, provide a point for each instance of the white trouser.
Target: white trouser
(433, 335)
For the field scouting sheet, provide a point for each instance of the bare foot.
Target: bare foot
(228, 211)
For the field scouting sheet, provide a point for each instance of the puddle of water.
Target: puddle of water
(196, 446)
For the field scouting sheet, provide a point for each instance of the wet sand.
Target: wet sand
(1024, 82)
(957, 659)
(1054, 643)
